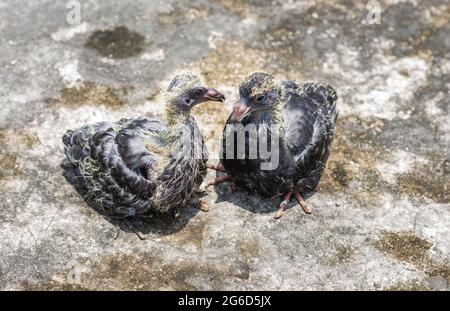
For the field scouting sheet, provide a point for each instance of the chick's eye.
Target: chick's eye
(260, 98)
(198, 93)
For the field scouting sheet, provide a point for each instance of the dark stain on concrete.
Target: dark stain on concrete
(343, 254)
(8, 167)
(407, 247)
(14, 139)
(146, 272)
(13, 142)
(403, 246)
(90, 93)
(440, 270)
(118, 43)
(427, 180)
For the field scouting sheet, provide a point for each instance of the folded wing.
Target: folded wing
(310, 116)
(114, 165)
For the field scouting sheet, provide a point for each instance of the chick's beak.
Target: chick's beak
(213, 95)
(240, 109)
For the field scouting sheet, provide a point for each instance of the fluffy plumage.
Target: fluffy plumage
(304, 116)
(310, 118)
(134, 167)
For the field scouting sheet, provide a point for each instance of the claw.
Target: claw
(203, 206)
(133, 228)
(279, 213)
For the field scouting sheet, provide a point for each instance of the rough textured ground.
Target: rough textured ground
(381, 215)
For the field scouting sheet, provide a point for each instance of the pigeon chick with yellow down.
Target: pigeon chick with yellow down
(303, 116)
(142, 166)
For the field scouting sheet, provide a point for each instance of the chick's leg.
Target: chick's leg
(302, 203)
(283, 205)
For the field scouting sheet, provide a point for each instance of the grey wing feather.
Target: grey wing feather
(109, 165)
(310, 118)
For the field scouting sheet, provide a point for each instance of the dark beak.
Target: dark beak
(213, 95)
(240, 110)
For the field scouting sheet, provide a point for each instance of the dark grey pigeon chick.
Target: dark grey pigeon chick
(300, 121)
(142, 166)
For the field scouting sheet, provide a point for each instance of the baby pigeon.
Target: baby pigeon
(143, 166)
(299, 122)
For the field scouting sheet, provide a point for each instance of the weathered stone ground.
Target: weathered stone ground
(381, 215)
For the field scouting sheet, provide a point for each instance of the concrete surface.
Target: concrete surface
(381, 216)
